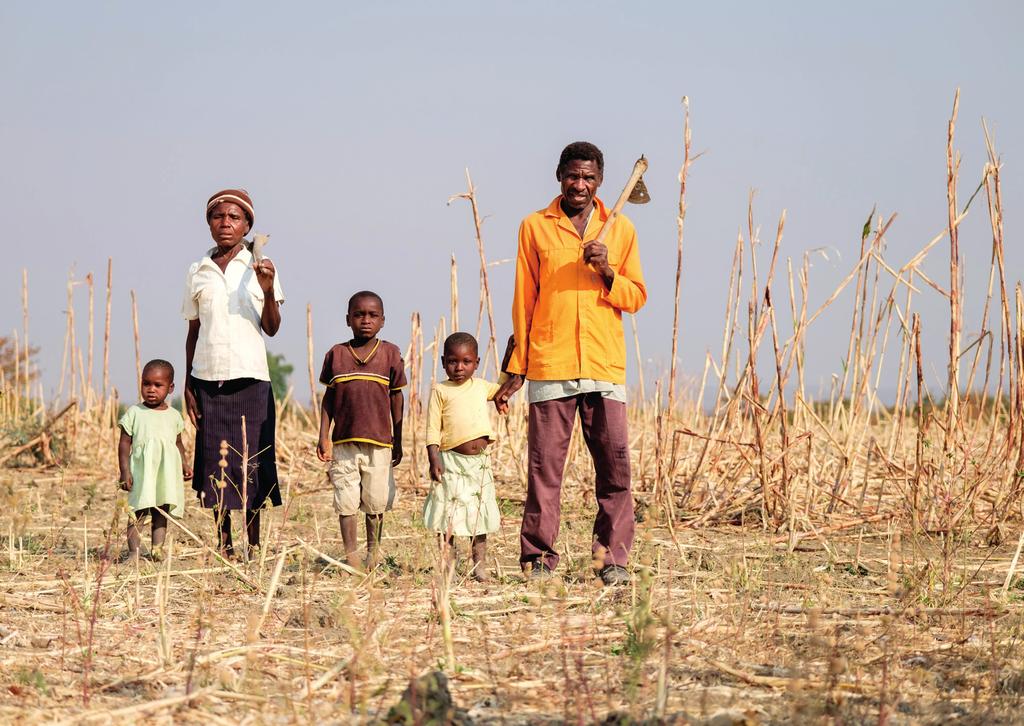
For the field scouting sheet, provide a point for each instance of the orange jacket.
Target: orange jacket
(567, 324)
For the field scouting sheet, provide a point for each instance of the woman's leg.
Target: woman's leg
(252, 527)
(222, 517)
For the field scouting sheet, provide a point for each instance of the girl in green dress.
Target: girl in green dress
(151, 458)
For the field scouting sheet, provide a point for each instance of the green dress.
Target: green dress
(155, 461)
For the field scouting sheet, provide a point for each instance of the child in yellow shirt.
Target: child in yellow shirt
(462, 501)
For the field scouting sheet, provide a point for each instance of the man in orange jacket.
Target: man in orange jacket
(570, 294)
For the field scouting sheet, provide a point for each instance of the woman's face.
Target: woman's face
(228, 224)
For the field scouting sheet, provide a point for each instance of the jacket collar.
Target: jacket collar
(555, 211)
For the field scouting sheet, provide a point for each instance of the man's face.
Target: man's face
(580, 180)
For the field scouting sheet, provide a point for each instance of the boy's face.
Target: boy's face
(365, 317)
(156, 386)
(460, 362)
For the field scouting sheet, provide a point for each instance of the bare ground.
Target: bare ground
(723, 624)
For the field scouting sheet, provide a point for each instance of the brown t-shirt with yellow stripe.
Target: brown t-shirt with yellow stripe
(358, 396)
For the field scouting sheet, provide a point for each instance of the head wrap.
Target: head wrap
(235, 196)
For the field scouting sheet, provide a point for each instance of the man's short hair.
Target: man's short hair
(160, 363)
(456, 340)
(581, 151)
(365, 294)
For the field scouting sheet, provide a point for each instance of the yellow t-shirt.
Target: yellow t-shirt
(459, 412)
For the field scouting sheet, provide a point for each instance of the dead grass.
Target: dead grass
(797, 560)
(849, 624)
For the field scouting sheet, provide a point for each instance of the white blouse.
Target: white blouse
(229, 306)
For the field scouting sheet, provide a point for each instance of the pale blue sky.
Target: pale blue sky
(351, 125)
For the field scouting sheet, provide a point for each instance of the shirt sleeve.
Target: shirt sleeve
(127, 422)
(628, 292)
(434, 418)
(524, 299)
(189, 306)
(327, 372)
(492, 388)
(278, 292)
(179, 422)
(397, 376)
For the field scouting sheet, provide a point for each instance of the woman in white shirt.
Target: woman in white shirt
(230, 301)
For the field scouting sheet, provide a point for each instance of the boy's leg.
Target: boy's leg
(344, 475)
(480, 558)
(159, 530)
(605, 430)
(377, 494)
(349, 525)
(550, 424)
(374, 529)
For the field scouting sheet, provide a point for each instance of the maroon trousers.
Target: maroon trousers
(605, 431)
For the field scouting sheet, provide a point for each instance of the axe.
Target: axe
(635, 192)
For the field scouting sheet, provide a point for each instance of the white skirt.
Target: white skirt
(463, 502)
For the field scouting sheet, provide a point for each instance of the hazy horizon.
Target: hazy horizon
(352, 126)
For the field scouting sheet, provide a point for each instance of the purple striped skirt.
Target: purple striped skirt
(222, 406)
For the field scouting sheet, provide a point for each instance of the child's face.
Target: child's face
(365, 317)
(156, 386)
(460, 362)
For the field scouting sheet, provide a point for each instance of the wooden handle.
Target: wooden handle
(638, 171)
(258, 243)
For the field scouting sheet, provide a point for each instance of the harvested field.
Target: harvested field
(847, 622)
(797, 560)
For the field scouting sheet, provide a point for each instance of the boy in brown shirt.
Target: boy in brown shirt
(364, 401)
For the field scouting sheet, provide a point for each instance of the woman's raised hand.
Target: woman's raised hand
(265, 274)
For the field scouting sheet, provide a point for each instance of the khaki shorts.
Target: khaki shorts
(362, 478)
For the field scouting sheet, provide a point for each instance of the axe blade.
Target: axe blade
(639, 195)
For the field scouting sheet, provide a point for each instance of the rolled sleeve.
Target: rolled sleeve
(278, 292)
(189, 304)
(434, 418)
(524, 300)
(628, 292)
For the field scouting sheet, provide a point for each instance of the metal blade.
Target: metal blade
(639, 194)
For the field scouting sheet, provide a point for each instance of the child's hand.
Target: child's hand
(324, 450)
(126, 482)
(186, 472)
(436, 470)
(396, 454)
